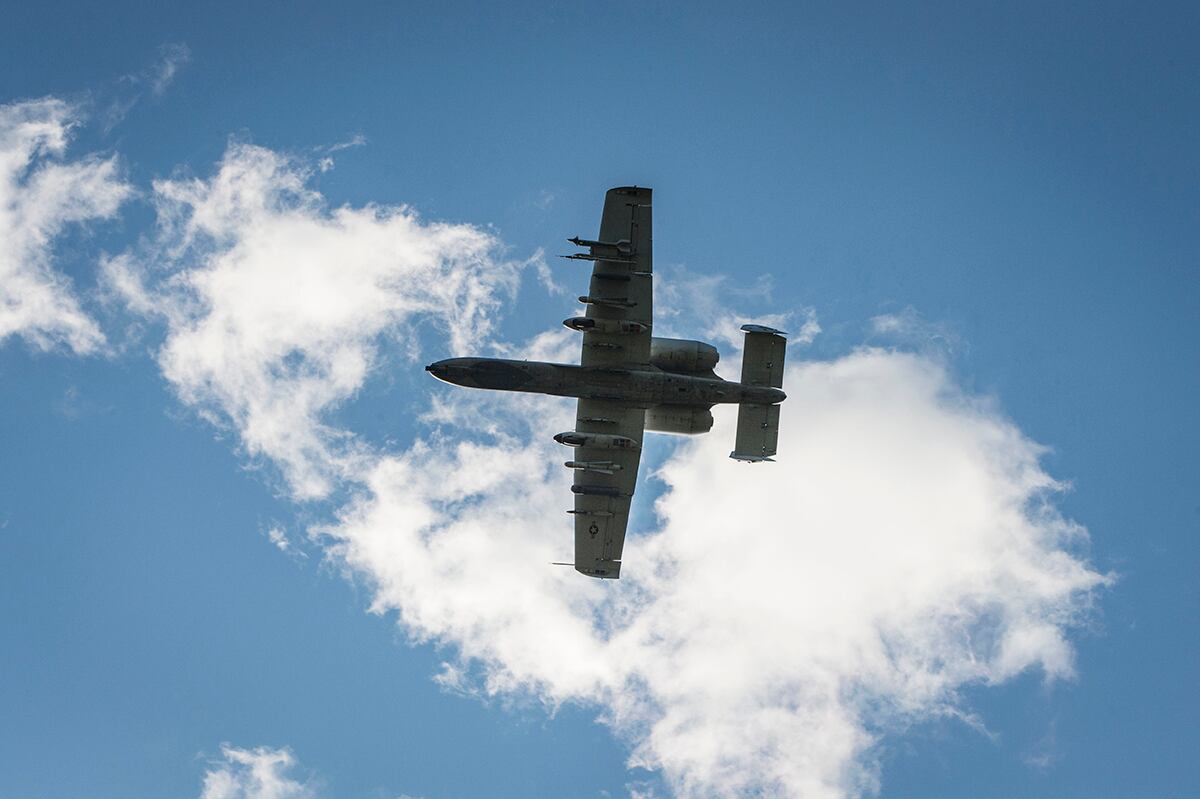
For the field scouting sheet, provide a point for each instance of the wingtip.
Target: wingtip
(746, 458)
(763, 329)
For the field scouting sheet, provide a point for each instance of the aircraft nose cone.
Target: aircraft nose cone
(451, 370)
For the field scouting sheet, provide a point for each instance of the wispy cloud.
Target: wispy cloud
(909, 329)
(325, 161)
(75, 405)
(280, 540)
(157, 77)
(357, 140)
(258, 773)
(1043, 753)
(775, 622)
(544, 200)
(172, 57)
(699, 304)
(41, 194)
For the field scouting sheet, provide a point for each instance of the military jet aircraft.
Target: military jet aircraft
(629, 382)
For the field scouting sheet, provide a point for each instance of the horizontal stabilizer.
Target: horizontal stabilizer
(762, 357)
(757, 432)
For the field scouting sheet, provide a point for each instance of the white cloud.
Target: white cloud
(277, 305)
(41, 194)
(172, 57)
(912, 330)
(129, 89)
(810, 328)
(775, 623)
(688, 301)
(279, 539)
(357, 140)
(258, 773)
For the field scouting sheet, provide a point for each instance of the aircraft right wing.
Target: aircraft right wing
(616, 335)
(620, 298)
(605, 478)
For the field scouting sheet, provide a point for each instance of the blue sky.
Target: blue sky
(990, 211)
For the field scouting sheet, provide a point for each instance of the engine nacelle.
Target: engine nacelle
(683, 355)
(679, 419)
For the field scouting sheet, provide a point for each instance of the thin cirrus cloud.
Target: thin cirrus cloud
(42, 193)
(776, 624)
(117, 101)
(172, 57)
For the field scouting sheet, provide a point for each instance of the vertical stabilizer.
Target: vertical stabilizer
(762, 365)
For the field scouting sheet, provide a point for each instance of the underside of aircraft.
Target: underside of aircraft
(629, 382)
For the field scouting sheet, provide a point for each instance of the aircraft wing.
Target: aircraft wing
(620, 297)
(604, 482)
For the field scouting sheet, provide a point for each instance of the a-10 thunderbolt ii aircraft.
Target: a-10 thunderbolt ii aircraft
(629, 382)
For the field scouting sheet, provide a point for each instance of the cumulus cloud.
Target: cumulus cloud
(258, 773)
(775, 624)
(277, 305)
(41, 194)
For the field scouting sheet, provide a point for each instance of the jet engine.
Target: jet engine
(679, 419)
(683, 355)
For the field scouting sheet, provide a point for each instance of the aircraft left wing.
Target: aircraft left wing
(605, 477)
(620, 298)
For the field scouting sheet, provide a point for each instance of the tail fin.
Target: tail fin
(762, 365)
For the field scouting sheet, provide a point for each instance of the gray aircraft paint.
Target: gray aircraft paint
(645, 388)
(629, 382)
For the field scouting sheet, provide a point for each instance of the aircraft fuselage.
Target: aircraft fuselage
(646, 387)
